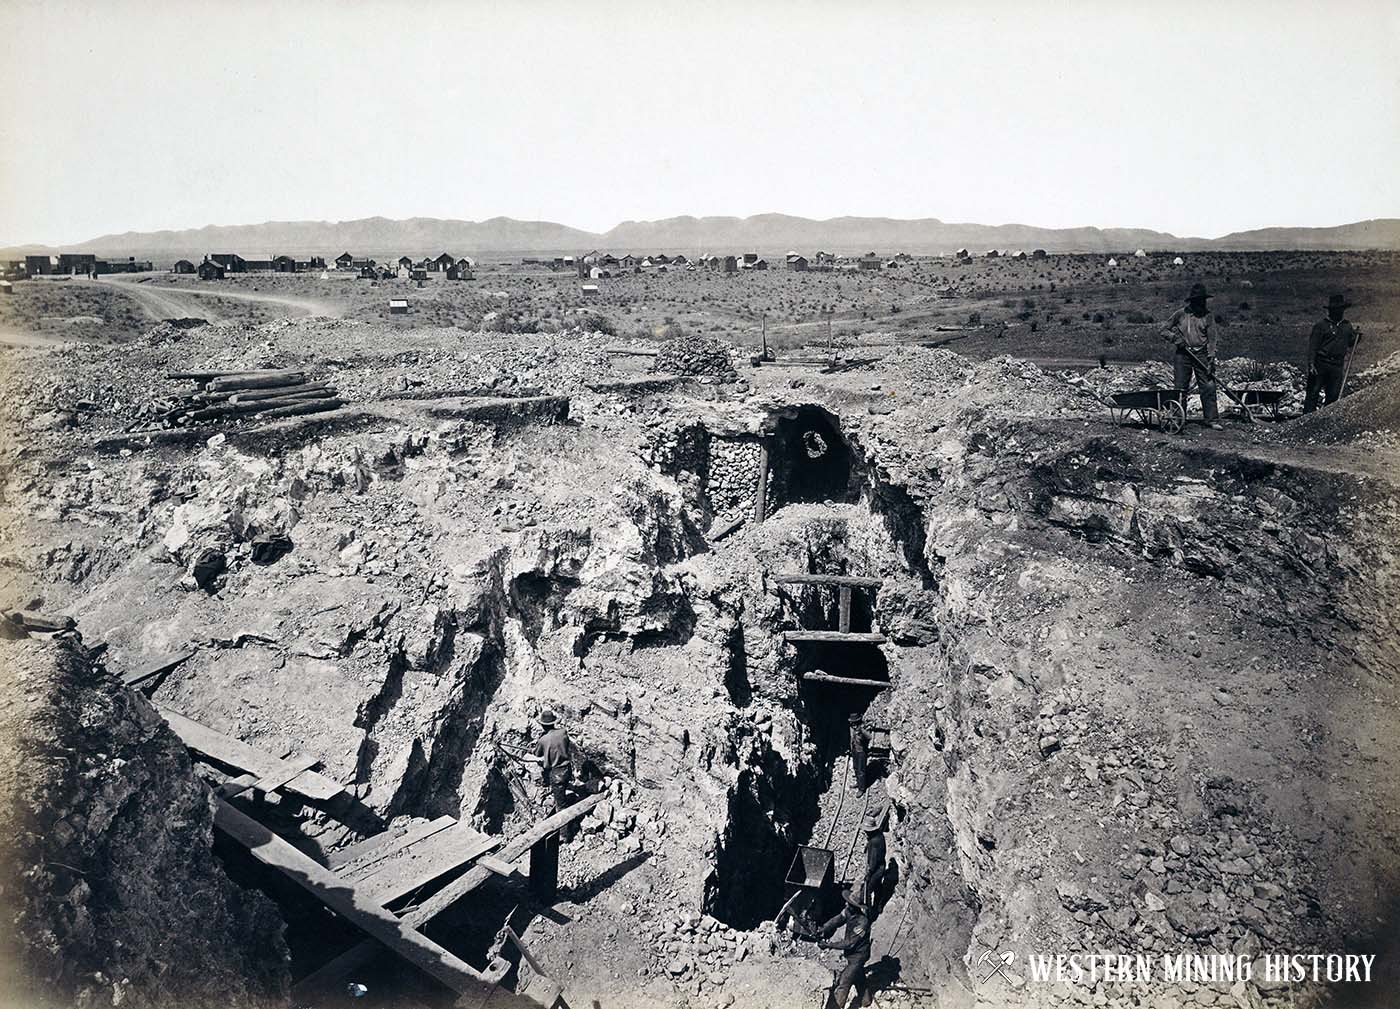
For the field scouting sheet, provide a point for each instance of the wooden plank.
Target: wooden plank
(854, 581)
(418, 865)
(236, 786)
(289, 770)
(499, 866)
(513, 851)
(235, 753)
(843, 620)
(844, 681)
(349, 903)
(157, 667)
(835, 637)
(760, 491)
(336, 971)
(371, 850)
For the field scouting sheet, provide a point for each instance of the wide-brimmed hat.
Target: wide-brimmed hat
(1338, 301)
(1198, 291)
(548, 718)
(854, 717)
(848, 894)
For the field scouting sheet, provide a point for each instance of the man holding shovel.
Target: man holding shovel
(1329, 348)
(1192, 330)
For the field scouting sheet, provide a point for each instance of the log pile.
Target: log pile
(265, 394)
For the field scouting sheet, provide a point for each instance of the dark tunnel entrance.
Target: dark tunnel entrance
(828, 706)
(811, 458)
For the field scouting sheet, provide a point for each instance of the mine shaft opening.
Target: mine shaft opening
(828, 707)
(812, 459)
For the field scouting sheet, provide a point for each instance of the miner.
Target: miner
(874, 824)
(553, 751)
(856, 945)
(1192, 331)
(860, 746)
(1329, 345)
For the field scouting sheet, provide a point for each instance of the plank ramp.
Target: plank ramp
(349, 903)
(332, 974)
(420, 863)
(235, 753)
(380, 846)
(156, 667)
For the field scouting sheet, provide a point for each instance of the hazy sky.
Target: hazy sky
(1194, 118)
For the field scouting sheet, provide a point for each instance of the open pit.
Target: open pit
(1132, 684)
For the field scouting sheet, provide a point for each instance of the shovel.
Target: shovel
(1346, 370)
(1210, 374)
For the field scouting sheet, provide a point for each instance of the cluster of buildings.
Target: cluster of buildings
(964, 255)
(219, 265)
(595, 265)
(71, 264)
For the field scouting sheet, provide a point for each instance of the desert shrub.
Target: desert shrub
(1098, 317)
(974, 318)
(595, 323)
(1136, 316)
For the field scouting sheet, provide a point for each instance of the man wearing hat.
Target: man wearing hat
(860, 747)
(1329, 344)
(1193, 329)
(856, 945)
(553, 751)
(874, 823)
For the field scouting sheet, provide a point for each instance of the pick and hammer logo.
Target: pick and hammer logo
(995, 962)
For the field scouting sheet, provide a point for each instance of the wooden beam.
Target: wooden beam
(349, 903)
(843, 619)
(332, 973)
(235, 753)
(844, 681)
(420, 864)
(381, 846)
(498, 866)
(157, 667)
(835, 637)
(854, 581)
(290, 769)
(760, 493)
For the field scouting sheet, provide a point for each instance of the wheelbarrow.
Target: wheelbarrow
(1159, 408)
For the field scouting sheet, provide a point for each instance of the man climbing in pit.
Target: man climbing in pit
(860, 749)
(856, 945)
(874, 824)
(554, 751)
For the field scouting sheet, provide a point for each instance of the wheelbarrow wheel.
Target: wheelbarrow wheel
(1172, 417)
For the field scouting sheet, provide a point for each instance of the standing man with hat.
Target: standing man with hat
(860, 747)
(856, 945)
(1192, 329)
(874, 824)
(1331, 340)
(553, 751)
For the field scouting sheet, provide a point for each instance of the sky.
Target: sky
(1193, 118)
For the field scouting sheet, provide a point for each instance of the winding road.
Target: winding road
(161, 301)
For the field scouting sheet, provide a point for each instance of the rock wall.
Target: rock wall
(113, 896)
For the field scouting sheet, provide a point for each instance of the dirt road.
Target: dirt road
(168, 302)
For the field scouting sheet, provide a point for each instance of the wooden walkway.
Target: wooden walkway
(273, 773)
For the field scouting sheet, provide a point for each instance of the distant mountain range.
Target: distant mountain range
(765, 233)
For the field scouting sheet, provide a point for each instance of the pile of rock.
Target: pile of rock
(695, 355)
(697, 952)
(733, 476)
(622, 821)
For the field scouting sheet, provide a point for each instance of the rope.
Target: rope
(841, 801)
(907, 901)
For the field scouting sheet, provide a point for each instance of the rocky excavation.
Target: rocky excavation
(1139, 689)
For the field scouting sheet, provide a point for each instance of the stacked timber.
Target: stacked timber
(266, 394)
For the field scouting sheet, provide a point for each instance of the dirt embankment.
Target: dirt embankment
(112, 892)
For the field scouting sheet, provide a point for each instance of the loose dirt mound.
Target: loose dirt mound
(111, 889)
(1373, 409)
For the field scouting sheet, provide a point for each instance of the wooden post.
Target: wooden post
(844, 620)
(544, 868)
(760, 494)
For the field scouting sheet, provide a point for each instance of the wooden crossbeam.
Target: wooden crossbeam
(346, 901)
(419, 864)
(290, 769)
(237, 754)
(853, 581)
(835, 637)
(844, 681)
